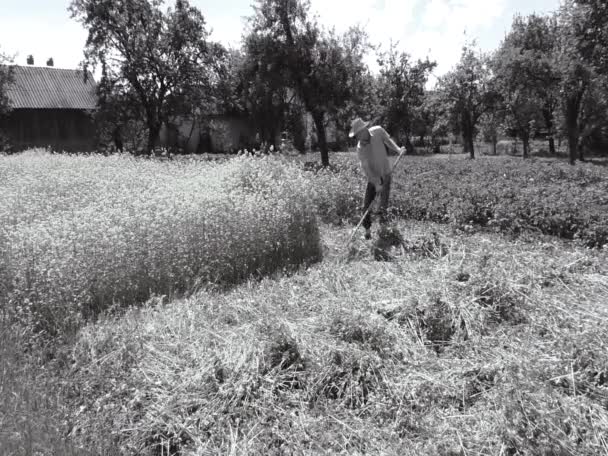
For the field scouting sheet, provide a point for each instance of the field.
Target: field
(214, 308)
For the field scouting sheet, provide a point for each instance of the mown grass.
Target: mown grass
(495, 347)
(453, 344)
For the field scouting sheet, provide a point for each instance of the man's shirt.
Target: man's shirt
(373, 156)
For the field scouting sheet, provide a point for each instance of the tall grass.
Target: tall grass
(80, 235)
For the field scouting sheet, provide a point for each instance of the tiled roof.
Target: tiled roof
(51, 88)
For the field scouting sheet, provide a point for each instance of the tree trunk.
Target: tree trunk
(525, 139)
(467, 136)
(317, 117)
(548, 115)
(581, 152)
(572, 145)
(470, 145)
(494, 145)
(153, 131)
(552, 145)
(572, 112)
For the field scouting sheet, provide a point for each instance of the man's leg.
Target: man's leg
(370, 194)
(384, 196)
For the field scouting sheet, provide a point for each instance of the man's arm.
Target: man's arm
(388, 141)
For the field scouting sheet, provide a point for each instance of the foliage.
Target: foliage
(262, 86)
(468, 93)
(526, 77)
(160, 60)
(582, 57)
(401, 89)
(82, 235)
(317, 65)
(6, 78)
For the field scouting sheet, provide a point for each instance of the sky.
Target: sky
(433, 28)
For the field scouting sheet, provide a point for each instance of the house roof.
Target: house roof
(51, 88)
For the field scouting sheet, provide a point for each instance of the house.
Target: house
(51, 107)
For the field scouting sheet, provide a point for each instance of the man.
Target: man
(371, 149)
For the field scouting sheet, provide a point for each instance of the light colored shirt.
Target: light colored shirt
(373, 156)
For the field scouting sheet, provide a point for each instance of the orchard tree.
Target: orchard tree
(519, 94)
(363, 98)
(401, 92)
(528, 78)
(491, 125)
(163, 58)
(262, 85)
(317, 67)
(438, 118)
(6, 78)
(582, 61)
(468, 93)
(593, 119)
(591, 30)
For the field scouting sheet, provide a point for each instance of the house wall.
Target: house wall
(212, 134)
(61, 129)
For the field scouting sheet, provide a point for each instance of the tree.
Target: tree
(262, 85)
(583, 62)
(519, 93)
(467, 93)
(317, 66)
(162, 59)
(527, 74)
(402, 91)
(491, 124)
(6, 78)
(591, 29)
(438, 118)
(362, 100)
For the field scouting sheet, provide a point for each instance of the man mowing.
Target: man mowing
(371, 149)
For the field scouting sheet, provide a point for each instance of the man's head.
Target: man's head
(359, 129)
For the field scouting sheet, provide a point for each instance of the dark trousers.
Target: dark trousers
(370, 194)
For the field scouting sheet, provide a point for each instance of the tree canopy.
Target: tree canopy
(162, 59)
(547, 78)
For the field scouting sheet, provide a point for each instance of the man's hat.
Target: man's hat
(357, 125)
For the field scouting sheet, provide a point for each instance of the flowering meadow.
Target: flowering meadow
(81, 235)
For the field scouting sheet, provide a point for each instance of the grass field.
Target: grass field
(471, 338)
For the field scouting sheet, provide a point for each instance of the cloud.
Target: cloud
(434, 28)
(422, 27)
